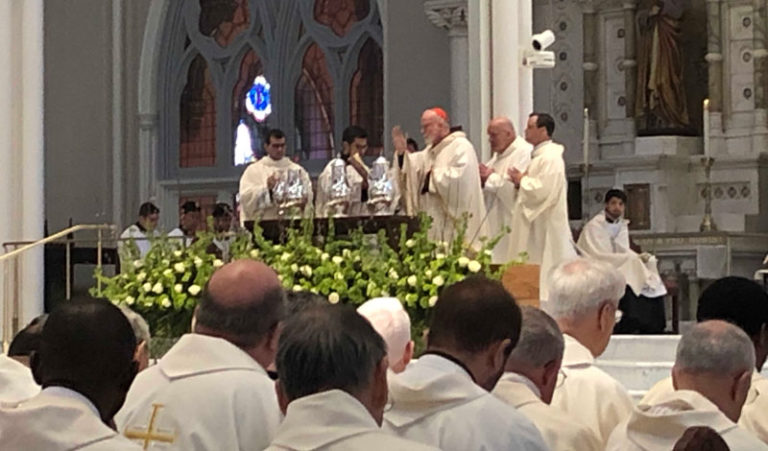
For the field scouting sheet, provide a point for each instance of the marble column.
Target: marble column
(451, 15)
(714, 58)
(629, 65)
(590, 57)
(21, 147)
(759, 53)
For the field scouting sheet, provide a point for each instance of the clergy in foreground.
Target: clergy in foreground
(509, 151)
(529, 382)
(332, 384)
(584, 301)
(712, 373)
(540, 219)
(354, 145)
(138, 235)
(16, 381)
(258, 196)
(606, 238)
(85, 365)
(443, 398)
(442, 180)
(743, 303)
(391, 321)
(211, 390)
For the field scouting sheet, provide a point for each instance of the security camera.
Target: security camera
(536, 57)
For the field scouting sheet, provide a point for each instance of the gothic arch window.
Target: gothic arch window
(321, 59)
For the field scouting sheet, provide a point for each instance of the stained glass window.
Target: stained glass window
(223, 20)
(314, 107)
(242, 122)
(198, 117)
(341, 15)
(366, 95)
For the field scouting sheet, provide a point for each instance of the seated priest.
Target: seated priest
(712, 373)
(190, 219)
(222, 228)
(349, 170)
(606, 238)
(138, 234)
(274, 186)
(332, 384)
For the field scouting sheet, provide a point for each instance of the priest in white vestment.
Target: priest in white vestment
(16, 381)
(443, 398)
(744, 303)
(85, 365)
(190, 218)
(332, 384)
(390, 319)
(442, 180)
(584, 300)
(140, 233)
(529, 383)
(540, 219)
(712, 374)
(211, 390)
(354, 143)
(257, 196)
(509, 151)
(606, 237)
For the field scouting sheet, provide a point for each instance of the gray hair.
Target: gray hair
(581, 285)
(716, 347)
(541, 341)
(138, 324)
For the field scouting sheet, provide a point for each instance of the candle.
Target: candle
(586, 139)
(707, 150)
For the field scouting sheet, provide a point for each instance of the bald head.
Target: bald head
(243, 302)
(715, 347)
(501, 133)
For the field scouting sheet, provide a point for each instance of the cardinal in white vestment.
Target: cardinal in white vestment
(744, 303)
(442, 180)
(712, 373)
(257, 196)
(509, 151)
(332, 403)
(16, 381)
(354, 144)
(211, 390)
(540, 218)
(529, 383)
(584, 299)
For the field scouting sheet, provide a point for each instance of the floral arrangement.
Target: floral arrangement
(165, 285)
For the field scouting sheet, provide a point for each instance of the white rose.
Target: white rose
(338, 276)
(254, 253)
(463, 262)
(393, 274)
(438, 281)
(198, 261)
(333, 298)
(286, 256)
(412, 280)
(178, 288)
(147, 287)
(166, 262)
(180, 267)
(295, 267)
(138, 263)
(167, 272)
(325, 256)
(141, 276)
(337, 260)
(410, 243)
(177, 254)
(314, 291)
(218, 263)
(346, 253)
(440, 256)
(158, 288)
(428, 273)
(357, 258)
(194, 290)
(298, 288)
(306, 270)
(130, 300)
(280, 277)
(488, 252)
(432, 301)
(166, 303)
(474, 266)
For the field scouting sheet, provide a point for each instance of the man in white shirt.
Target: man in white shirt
(222, 228)
(443, 399)
(211, 390)
(391, 321)
(257, 185)
(540, 219)
(584, 300)
(85, 365)
(332, 384)
(189, 222)
(606, 237)
(354, 144)
(529, 383)
(743, 303)
(509, 151)
(135, 241)
(711, 376)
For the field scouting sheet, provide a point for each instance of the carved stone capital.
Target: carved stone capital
(450, 15)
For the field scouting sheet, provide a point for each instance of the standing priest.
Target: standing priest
(442, 180)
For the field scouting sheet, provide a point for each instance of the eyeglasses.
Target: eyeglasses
(618, 315)
(561, 376)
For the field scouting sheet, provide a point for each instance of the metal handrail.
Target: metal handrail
(11, 303)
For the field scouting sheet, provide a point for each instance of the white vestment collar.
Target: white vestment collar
(63, 392)
(317, 420)
(576, 354)
(519, 379)
(197, 354)
(282, 163)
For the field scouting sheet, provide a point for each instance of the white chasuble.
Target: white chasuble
(255, 197)
(16, 381)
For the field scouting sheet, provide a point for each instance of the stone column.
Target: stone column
(451, 15)
(714, 58)
(22, 200)
(760, 53)
(630, 55)
(590, 57)
(148, 124)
